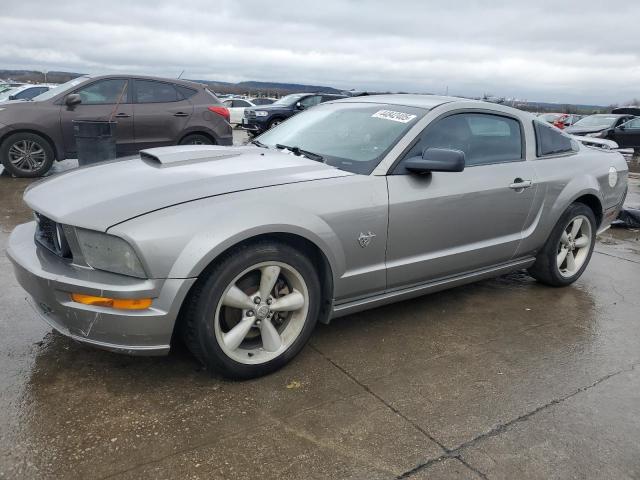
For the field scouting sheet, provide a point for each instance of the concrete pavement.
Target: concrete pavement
(501, 379)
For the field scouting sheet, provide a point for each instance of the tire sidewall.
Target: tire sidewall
(573, 211)
(215, 285)
(187, 140)
(16, 137)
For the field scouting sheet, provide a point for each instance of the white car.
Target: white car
(236, 108)
(24, 92)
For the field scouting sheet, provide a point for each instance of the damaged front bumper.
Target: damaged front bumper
(50, 280)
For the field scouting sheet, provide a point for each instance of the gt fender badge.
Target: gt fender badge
(364, 239)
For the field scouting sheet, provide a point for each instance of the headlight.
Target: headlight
(261, 113)
(597, 134)
(110, 253)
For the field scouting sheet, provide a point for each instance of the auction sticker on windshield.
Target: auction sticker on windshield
(395, 116)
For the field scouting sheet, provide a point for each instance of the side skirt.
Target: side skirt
(385, 298)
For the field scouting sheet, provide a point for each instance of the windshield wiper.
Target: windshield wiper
(258, 143)
(298, 151)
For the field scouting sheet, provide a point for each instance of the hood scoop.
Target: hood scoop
(185, 154)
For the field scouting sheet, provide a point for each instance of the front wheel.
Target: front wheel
(568, 250)
(275, 122)
(26, 155)
(254, 310)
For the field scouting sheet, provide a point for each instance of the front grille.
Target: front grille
(51, 235)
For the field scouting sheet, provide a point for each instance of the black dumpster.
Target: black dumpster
(95, 141)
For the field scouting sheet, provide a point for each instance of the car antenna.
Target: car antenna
(180, 76)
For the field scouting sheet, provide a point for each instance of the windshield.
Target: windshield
(289, 99)
(5, 94)
(596, 121)
(350, 136)
(59, 89)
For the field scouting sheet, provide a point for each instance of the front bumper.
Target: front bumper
(254, 124)
(50, 280)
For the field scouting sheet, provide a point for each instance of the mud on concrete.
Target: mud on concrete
(501, 379)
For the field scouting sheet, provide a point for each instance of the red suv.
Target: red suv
(150, 112)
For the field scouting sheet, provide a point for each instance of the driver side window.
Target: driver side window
(484, 138)
(310, 101)
(635, 123)
(105, 92)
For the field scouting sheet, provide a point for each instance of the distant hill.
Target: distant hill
(288, 86)
(272, 88)
(32, 76)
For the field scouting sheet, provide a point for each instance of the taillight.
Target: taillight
(222, 111)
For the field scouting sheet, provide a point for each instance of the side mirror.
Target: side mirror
(621, 127)
(12, 97)
(437, 160)
(299, 106)
(72, 100)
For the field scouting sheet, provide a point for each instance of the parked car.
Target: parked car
(23, 92)
(631, 110)
(262, 100)
(260, 119)
(236, 107)
(598, 126)
(150, 112)
(350, 205)
(627, 135)
(560, 120)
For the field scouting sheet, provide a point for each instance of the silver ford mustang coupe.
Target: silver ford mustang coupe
(347, 206)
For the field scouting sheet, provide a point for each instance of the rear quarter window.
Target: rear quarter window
(186, 92)
(550, 141)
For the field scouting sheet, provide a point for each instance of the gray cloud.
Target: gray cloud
(545, 50)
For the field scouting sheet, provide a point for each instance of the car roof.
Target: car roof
(406, 100)
(186, 83)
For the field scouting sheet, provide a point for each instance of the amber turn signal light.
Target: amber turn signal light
(119, 303)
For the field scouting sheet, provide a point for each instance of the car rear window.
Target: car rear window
(550, 141)
(149, 91)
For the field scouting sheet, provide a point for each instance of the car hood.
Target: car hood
(578, 130)
(102, 195)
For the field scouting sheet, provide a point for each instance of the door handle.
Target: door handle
(180, 114)
(122, 115)
(519, 184)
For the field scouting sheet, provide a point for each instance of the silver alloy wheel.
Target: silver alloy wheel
(275, 123)
(261, 313)
(27, 155)
(574, 246)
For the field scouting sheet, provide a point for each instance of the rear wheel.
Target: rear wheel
(196, 139)
(26, 155)
(568, 250)
(254, 311)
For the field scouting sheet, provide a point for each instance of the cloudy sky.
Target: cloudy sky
(562, 51)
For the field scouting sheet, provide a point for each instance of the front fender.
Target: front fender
(181, 241)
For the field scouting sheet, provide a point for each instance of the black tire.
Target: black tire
(33, 166)
(275, 122)
(545, 269)
(197, 139)
(198, 331)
